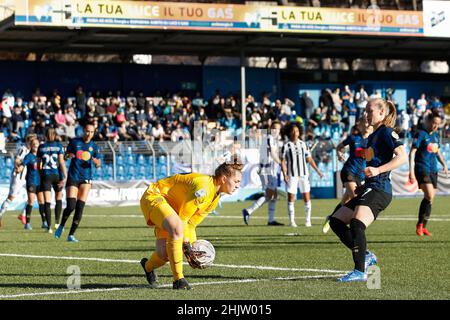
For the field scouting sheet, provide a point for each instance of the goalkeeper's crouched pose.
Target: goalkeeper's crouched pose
(174, 206)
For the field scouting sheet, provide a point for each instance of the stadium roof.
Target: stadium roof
(218, 43)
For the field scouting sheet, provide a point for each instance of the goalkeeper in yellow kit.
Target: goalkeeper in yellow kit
(174, 206)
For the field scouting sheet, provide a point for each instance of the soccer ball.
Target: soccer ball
(205, 253)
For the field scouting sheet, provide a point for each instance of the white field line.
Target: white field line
(68, 292)
(136, 262)
(385, 218)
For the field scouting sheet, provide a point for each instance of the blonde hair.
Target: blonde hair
(389, 107)
(229, 168)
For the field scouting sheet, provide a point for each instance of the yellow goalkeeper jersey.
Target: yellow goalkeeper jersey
(193, 196)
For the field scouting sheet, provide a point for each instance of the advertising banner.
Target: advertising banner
(218, 17)
(436, 18)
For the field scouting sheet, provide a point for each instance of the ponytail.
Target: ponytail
(391, 117)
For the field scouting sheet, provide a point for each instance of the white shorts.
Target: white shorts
(269, 181)
(296, 183)
(15, 184)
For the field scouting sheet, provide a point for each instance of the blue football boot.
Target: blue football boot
(72, 238)
(354, 276)
(59, 232)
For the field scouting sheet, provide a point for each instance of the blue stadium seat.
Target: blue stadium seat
(131, 159)
(140, 159)
(119, 160)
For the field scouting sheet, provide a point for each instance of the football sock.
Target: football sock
(77, 217)
(342, 231)
(42, 212)
(154, 262)
(255, 205)
(291, 211)
(5, 205)
(174, 250)
(358, 230)
(48, 214)
(424, 212)
(272, 204)
(58, 209)
(71, 203)
(308, 207)
(28, 212)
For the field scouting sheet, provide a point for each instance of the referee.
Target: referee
(295, 156)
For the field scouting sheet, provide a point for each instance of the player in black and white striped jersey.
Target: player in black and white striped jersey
(17, 179)
(268, 172)
(294, 164)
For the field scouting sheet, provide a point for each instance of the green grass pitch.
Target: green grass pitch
(252, 262)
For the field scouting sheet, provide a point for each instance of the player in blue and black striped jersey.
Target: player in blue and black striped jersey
(83, 153)
(352, 175)
(376, 194)
(32, 184)
(423, 167)
(52, 174)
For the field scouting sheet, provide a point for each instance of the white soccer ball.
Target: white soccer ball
(206, 253)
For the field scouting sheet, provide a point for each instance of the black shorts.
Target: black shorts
(427, 178)
(47, 182)
(77, 183)
(348, 176)
(32, 188)
(376, 200)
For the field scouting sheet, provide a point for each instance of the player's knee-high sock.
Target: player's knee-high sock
(79, 207)
(154, 262)
(48, 214)
(71, 204)
(58, 209)
(342, 231)
(255, 205)
(174, 250)
(291, 211)
(427, 214)
(272, 205)
(42, 212)
(28, 212)
(308, 207)
(358, 230)
(5, 205)
(424, 212)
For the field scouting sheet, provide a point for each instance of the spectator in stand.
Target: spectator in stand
(361, 99)
(422, 105)
(436, 103)
(158, 133)
(60, 118)
(80, 101)
(376, 94)
(123, 132)
(316, 118)
(326, 100)
(307, 105)
(404, 122)
(337, 101)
